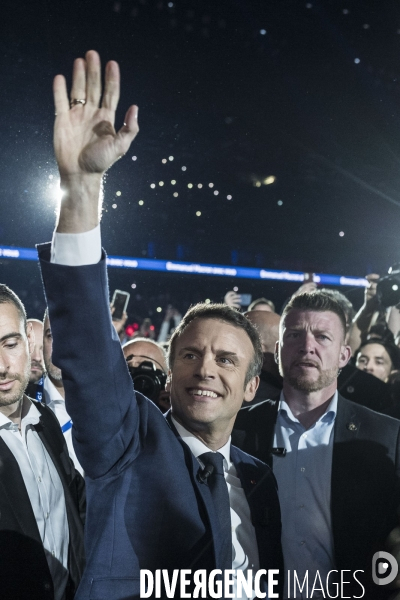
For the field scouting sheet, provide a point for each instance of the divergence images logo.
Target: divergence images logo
(384, 568)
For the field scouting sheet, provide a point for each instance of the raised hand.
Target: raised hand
(85, 141)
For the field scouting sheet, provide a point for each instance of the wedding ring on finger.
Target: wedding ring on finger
(76, 101)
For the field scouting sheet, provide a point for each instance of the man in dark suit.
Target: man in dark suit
(42, 498)
(337, 463)
(163, 493)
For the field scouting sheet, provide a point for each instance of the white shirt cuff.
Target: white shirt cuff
(76, 249)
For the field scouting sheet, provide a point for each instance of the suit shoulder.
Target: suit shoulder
(249, 459)
(367, 414)
(256, 413)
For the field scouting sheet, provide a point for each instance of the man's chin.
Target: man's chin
(307, 384)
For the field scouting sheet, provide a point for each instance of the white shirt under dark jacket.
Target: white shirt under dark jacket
(56, 402)
(45, 492)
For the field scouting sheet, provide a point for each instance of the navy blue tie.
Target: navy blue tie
(214, 475)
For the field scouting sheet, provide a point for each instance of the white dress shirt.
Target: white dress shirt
(56, 402)
(45, 492)
(244, 542)
(304, 488)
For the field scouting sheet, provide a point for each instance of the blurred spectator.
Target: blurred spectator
(232, 299)
(262, 304)
(397, 340)
(119, 324)
(35, 386)
(147, 365)
(378, 357)
(54, 393)
(37, 362)
(267, 324)
(167, 328)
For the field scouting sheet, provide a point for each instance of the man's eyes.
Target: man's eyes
(10, 345)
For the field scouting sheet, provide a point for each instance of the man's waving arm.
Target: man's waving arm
(98, 387)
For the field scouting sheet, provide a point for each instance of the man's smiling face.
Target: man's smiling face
(311, 349)
(208, 375)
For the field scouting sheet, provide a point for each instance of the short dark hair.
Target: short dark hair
(7, 296)
(221, 312)
(317, 301)
(258, 301)
(344, 302)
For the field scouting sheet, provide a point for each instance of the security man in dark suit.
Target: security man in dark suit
(42, 497)
(337, 463)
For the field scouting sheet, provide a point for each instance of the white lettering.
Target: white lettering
(359, 583)
(215, 587)
(330, 585)
(228, 583)
(145, 574)
(200, 579)
(185, 582)
(257, 577)
(170, 587)
(272, 583)
(319, 589)
(342, 582)
(305, 581)
(244, 583)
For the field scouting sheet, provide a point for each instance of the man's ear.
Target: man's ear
(168, 382)
(30, 334)
(345, 355)
(251, 389)
(276, 353)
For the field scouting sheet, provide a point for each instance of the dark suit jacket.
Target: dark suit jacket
(24, 573)
(147, 508)
(365, 477)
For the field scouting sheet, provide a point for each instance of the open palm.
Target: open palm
(85, 140)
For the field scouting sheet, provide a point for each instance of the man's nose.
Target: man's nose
(205, 367)
(307, 343)
(36, 354)
(3, 365)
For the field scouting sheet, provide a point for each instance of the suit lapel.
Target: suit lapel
(202, 492)
(13, 488)
(346, 431)
(251, 478)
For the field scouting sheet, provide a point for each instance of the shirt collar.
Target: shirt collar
(328, 416)
(31, 418)
(51, 393)
(198, 447)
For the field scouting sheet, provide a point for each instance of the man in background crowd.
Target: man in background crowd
(378, 357)
(267, 324)
(35, 386)
(149, 379)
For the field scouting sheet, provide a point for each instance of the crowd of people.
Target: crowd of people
(242, 440)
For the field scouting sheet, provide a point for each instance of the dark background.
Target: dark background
(313, 101)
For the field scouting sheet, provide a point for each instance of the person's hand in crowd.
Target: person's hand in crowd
(171, 313)
(232, 299)
(85, 141)
(370, 290)
(308, 287)
(119, 323)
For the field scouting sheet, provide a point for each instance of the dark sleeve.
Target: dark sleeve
(98, 388)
